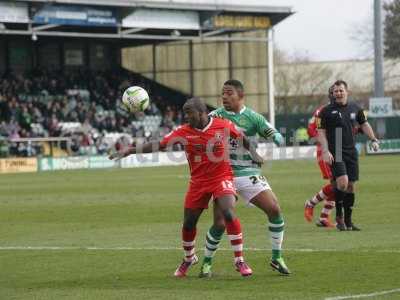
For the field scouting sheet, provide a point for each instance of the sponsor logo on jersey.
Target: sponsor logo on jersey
(218, 135)
(242, 122)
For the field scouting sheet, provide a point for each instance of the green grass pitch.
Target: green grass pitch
(118, 237)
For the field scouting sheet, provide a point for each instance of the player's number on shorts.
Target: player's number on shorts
(256, 179)
(227, 185)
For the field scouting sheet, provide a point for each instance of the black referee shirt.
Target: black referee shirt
(340, 122)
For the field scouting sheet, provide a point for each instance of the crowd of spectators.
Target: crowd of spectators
(43, 103)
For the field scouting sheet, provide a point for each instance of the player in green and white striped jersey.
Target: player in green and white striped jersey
(248, 180)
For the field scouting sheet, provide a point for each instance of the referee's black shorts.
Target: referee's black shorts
(347, 165)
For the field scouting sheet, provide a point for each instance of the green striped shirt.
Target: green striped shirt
(251, 124)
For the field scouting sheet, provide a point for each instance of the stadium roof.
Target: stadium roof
(254, 6)
(160, 20)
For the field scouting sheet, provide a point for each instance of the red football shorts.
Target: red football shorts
(200, 193)
(324, 167)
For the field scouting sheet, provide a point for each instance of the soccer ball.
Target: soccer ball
(135, 98)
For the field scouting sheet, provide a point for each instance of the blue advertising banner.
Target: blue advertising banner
(76, 15)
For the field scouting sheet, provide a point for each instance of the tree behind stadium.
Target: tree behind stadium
(392, 29)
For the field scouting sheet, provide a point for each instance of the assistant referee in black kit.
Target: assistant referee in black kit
(338, 124)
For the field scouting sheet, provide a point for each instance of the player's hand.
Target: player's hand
(374, 145)
(257, 158)
(278, 139)
(327, 157)
(115, 155)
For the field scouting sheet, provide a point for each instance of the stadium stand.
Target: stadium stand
(81, 104)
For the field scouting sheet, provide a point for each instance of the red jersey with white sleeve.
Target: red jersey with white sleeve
(207, 151)
(312, 131)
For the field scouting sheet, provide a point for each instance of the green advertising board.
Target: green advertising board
(386, 146)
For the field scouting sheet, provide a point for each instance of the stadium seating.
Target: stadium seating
(46, 103)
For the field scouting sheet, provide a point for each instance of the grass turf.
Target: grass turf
(141, 209)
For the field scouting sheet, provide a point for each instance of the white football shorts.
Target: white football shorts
(250, 186)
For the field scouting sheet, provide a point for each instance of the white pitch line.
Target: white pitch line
(364, 295)
(5, 248)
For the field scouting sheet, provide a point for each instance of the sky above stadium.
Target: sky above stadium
(323, 29)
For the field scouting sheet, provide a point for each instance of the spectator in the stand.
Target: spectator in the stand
(13, 108)
(179, 117)
(86, 142)
(13, 128)
(25, 118)
(4, 113)
(81, 111)
(122, 125)
(86, 127)
(168, 120)
(133, 130)
(53, 126)
(52, 89)
(153, 110)
(23, 133)
(99, 121)
(3, 129)
(101, 144)
(37, 116)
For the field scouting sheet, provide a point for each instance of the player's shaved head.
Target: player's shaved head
(196, 104)
(195, 113)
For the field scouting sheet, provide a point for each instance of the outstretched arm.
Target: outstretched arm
(174, 137)
(142, 148)
(267, 131)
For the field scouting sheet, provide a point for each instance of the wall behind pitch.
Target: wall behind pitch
(172, 65)
(210, 70)
(139, 59)
(171, 57)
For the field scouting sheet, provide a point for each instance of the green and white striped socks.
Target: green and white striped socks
(276, 229)
(213, 238)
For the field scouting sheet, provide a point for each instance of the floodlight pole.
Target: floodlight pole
(378, 45)
(270, 76)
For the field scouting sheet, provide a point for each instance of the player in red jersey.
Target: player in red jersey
(205, 140)
(326, 193)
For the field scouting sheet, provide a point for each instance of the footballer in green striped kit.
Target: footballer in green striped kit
(249, 182)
